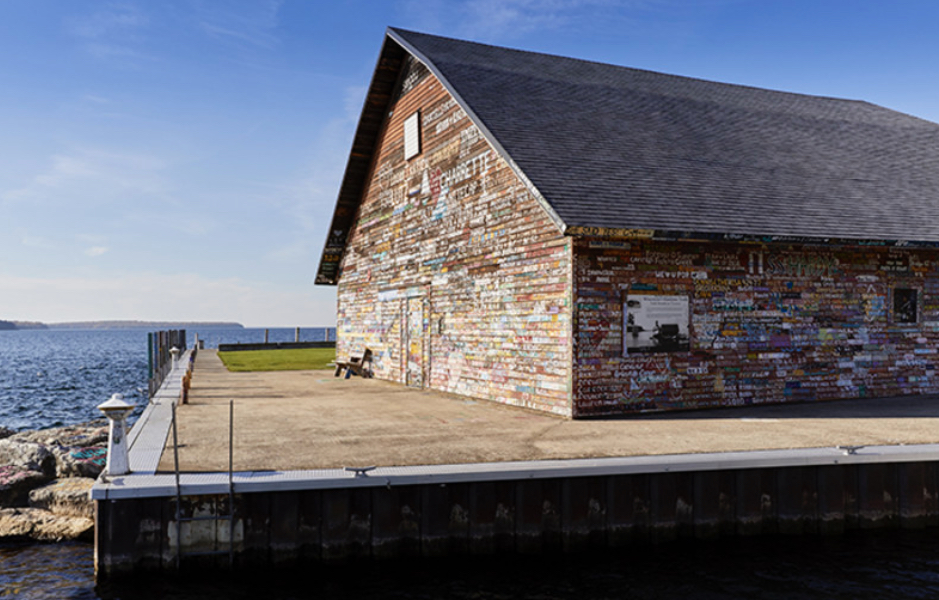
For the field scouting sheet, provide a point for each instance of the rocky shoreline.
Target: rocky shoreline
(45, 478)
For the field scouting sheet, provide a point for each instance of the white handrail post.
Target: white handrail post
(117, 410)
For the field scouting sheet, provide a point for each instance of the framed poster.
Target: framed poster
(655, 323)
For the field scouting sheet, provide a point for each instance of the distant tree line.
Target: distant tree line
(11, 325)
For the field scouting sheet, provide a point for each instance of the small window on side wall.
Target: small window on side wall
(412, 136)
(905, 305)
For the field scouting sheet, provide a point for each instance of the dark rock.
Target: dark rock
(76, 450)
(79, 462)
(59, 511)
(31, 456)
(16, 483)
(42, 525)
(5, 432)
(65, 497)
(92, 433)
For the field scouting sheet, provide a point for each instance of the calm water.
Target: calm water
(869, 567)
(49, 378)
(57, 377)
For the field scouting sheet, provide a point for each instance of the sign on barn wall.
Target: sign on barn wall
(655, 323)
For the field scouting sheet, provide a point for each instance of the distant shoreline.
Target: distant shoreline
(152, 325)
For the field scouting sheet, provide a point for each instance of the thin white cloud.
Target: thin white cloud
(94, 175)
(117, 17)
(500, 20)
(116, 52)
(114, 34)
(308, 200)
(37, 242)
(354, 99)
(96, 251)
(90, 238)
(299, 249)
(494, 19)
(66, 168)
(95, 99)
(252, 24)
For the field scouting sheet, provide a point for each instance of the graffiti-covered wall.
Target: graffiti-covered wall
(672, 325)
(454, 276)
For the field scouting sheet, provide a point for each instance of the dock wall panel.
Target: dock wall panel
(310, 526)
(583, 513)
(526, 516)
(347, 524)
(878, 501)
(396, 525)
(755, 495)
(445, 520)
(492, 517)
(629, 509)
(708, 491)
(538, 519)
(797, 500)
(255, 518)
(285, 528)
(833, 499)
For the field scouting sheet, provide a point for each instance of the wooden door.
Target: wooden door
(415, 345)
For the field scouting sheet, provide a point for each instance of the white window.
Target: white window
(412, 136)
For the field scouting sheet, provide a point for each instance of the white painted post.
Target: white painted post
(174, 352)
(117, 410)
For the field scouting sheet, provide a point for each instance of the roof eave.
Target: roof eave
(743, 238)
(374, 109)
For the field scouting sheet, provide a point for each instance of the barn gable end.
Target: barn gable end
(453, 274)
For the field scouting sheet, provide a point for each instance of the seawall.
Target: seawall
(563, 506)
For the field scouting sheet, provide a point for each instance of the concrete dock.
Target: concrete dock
(456, 477)
(300, 420)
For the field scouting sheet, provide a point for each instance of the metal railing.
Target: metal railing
(160, 360)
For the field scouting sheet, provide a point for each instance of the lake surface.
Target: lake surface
(901, 565)
(53, 377)
(57, 377)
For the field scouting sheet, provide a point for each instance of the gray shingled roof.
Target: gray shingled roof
(609, 146)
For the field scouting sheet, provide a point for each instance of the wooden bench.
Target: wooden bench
(356, 365)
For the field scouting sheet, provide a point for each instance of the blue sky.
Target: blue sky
(179, 160)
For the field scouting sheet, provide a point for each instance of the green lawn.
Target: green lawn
(279, 360)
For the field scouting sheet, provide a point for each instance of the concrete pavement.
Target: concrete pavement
(293, 420)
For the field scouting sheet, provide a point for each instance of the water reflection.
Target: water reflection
(41, 571)
(885, 565)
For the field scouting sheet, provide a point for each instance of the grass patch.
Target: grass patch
(292, 359)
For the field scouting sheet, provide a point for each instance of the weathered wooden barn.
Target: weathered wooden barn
(589, 239)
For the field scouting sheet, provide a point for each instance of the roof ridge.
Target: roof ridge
(404, 33)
